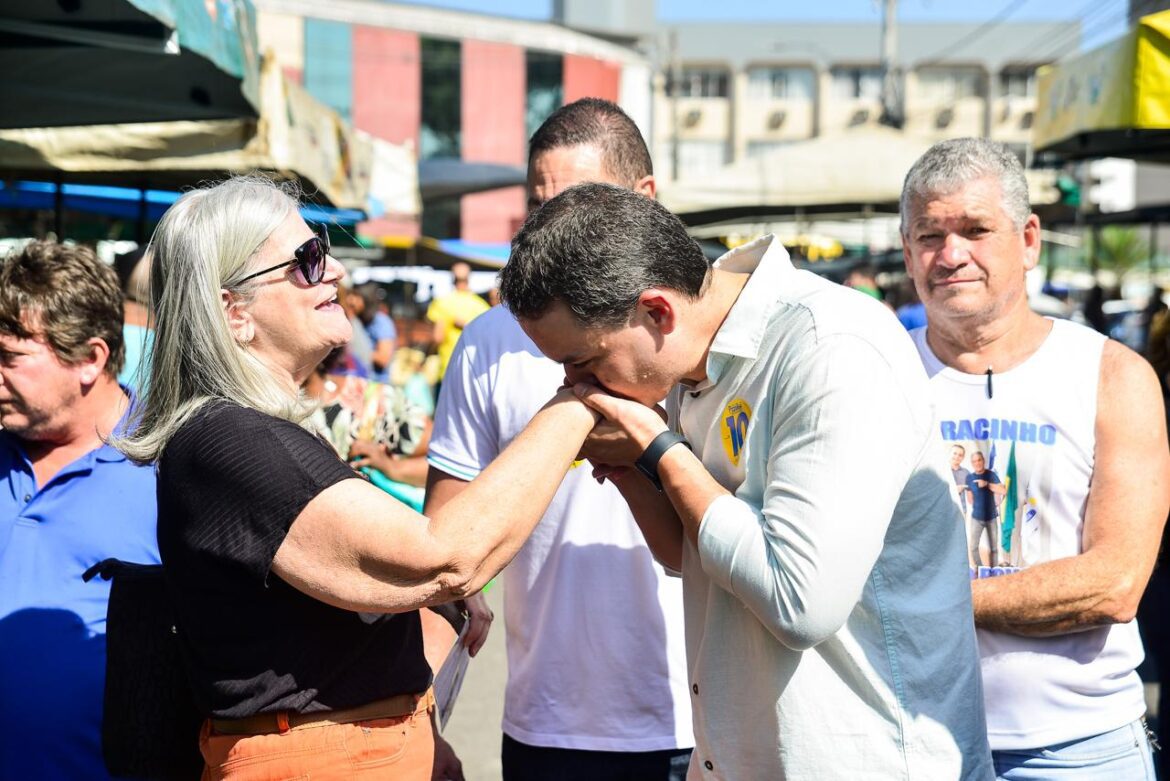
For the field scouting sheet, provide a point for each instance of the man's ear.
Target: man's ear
(1032, 239)
(659, 308)
(91, 367)
(239, 321)
(646, 186)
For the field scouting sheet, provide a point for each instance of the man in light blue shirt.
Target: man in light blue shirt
(137, 331)
(67, 501)
(823, 588)
(380, 333)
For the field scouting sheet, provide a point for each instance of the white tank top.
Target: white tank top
(1035, 426)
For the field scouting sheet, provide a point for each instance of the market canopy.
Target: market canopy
(85, 62)
(828, 174)
(855, 173)
(1113, 101)
(295, 138)
(447, 177)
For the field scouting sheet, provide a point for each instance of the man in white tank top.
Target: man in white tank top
(1071, 423)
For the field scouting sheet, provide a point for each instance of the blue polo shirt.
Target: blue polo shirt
(983, 500)
(52, 624)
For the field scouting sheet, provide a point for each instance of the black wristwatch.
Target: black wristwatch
(647, 463)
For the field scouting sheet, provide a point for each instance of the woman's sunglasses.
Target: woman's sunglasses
(310, 259)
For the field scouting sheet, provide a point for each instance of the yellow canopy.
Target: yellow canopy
(1111, 101)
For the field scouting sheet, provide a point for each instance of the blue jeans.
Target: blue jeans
(1121, 755)
(536, 763)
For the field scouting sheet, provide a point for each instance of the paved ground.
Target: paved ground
(474, 728)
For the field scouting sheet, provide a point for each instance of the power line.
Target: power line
(1060, 47)
(1055, 45)
(1009, 9)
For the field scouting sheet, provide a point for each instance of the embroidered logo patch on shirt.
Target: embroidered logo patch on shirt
(733, 428)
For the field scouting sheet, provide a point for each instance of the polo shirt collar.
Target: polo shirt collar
(742, 332)
(105, 454)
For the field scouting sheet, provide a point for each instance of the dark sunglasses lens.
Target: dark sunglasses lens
(311, 260)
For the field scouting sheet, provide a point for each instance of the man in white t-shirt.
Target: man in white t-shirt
(596, 664)
(824, 589)
(1071, 424)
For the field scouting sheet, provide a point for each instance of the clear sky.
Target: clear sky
(1102, 20)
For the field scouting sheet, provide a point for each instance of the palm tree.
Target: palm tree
(1119, 249)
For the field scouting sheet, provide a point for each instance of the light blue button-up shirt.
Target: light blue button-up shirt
(52, 624)
(828, 612)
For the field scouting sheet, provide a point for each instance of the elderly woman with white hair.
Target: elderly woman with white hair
(295, 583)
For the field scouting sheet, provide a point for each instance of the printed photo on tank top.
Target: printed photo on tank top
(1019, 450)
(1002, 475)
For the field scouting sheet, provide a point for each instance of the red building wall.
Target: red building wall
(493, 96)
(586, 77)
(387, 100)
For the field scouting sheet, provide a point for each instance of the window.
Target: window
(946, 85)
(545, 88)
(696, 158)
(442, 117)
(328, 70)
(757, 149)
(1018, 82)
(442, 218)
(771, 83)
(851, 82)
(700, 83)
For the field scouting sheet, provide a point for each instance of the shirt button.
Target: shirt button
(708, 765)
(695, 688)
(27, 498)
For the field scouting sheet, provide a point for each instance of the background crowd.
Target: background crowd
(219, 424)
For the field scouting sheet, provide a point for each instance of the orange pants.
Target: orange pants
(402, 747)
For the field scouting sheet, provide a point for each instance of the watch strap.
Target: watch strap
(647, 463)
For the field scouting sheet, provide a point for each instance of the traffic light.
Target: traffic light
(1070, 191)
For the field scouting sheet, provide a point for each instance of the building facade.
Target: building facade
(471, 87)
(728, 92)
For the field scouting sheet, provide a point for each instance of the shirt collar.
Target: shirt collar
(106, 453)
(742, 332)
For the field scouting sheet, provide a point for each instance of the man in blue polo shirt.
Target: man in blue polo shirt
(986, 490)
(67, 501)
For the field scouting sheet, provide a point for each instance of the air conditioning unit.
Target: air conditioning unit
(944, 118)
(1027, 119)
(860, 117)
(692, 117)
(776, 119)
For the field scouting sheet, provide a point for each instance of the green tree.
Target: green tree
(1120, 249)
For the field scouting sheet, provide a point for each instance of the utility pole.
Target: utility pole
(673, 84)
(891, 104)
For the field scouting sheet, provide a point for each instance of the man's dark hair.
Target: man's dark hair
(64, 295)
(597, 247)
(599, 123)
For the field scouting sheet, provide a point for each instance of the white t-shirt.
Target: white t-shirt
(1037, 432)
(594, 626)
(827, 603)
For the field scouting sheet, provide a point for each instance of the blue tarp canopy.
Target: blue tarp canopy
(483, 253)
(128, 202)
